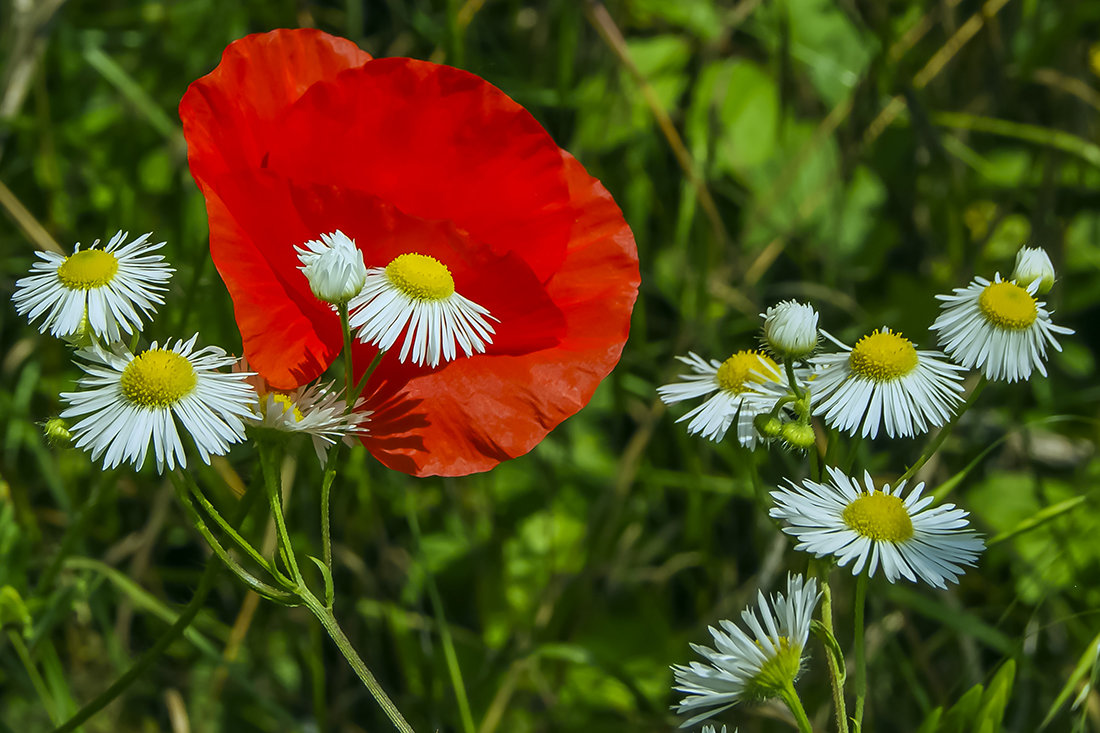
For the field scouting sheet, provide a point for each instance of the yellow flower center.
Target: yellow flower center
(883, 356)
(879, 516)
(776, 672)
(421, 277)
(87, 269)
(1007, 305)
(739, 372)
(288, 405)
(157, 378)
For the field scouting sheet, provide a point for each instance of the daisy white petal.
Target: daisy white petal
(885, 381)
(415, 295)
(753, 665)
(998, 327)
(109, 290)
(127, 402)
(878, 528)
(745, 385)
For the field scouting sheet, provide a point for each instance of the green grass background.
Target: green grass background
(860, 155)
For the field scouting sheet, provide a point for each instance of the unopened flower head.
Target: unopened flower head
(126, 401)
(745, 385)
(998, 327)
(750, 666)
(790, 329)
(416, 294)
(1033, 263)
(884, 380)
(869, 527)
(108, 290)
(333, 266)
(316, 410)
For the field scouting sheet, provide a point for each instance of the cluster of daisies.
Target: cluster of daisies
(883, 381)
(98, 299)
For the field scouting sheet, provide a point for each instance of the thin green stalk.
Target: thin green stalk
(271, 485)
(861, 652)
(941, 436)
(794, 704)
(441, 620)
(326, 491)
(836, 682)
(72, 534)
(349, 379)
(788, 365)
(328, 621)
(366, 375)
(150, 655)
(32, 671)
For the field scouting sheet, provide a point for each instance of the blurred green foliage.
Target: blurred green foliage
(859, 155)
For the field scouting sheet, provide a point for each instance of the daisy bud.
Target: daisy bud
(790, 329)
(334, 267)
(57, 432)
(798, 435)
(768, 425)
(1032, 263)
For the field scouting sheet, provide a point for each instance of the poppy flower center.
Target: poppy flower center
(745, 368)
(883, 356)
(1007, 305)
(87, 269)
(157, 378)
(879, 516)
(777, 671)
(288, 405)
(420, 277)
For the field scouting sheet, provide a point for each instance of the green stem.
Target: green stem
(861, 652)
(326, 491)
(349, 379)
(328, 621)
(794, 704)
(941, 436)
(274, 492)
(150, 655)
(840, 709)
(366, 375)
(441, 619)
(788, 365)
(72, 535)
(32, 671)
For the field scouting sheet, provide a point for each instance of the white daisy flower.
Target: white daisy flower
(747, 384)
(998, 327)
(316, 410)
(1033, 263)
(748, 667)
(790, 329)
(334, 267)
(875, 527)
(416, 294)
(884, 380)
(110, 289)
(128, 400)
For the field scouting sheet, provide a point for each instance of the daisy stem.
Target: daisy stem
(271, 484)
(941, 436)
(366, 375)
(788, 365)
(328, 621)
(444, 629)
(861, 652)
(794, 704)
(326, 490)
(349, 378)
(836, 681)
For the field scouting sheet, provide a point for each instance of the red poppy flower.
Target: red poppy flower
(297, 134)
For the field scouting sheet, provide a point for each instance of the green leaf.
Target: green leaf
(995, 700)
(327, 575)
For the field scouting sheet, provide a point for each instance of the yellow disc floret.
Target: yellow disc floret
(287, 405)
(745, 368)
(1007, 305)
(87, 269)
(883, 356)
(157, 378)
(421, 277)
(879, 516)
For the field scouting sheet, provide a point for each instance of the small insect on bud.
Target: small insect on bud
(57, 432)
